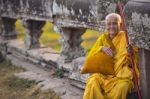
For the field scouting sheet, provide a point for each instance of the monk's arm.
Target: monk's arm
(97, 46)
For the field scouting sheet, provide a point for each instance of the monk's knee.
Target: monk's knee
(123, 85)
(94, 79)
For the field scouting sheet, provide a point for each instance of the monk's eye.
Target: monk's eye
(111, 23)
(114, 23)
(108, 24)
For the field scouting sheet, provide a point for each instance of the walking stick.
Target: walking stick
(135, 79)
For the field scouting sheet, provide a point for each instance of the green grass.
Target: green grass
(19, 82)
(51, 39)
(20, 29)
(12, 87)
(89, 38)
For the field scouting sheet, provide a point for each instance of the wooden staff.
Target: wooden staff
(135, 79)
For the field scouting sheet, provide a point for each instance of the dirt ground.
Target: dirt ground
(12, 87)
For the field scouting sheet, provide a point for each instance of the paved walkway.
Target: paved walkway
(45, 79)
(35, 62)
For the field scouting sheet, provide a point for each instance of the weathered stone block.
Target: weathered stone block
(77, 65)
(137, 16)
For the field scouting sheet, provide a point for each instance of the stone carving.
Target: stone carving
(137, 15)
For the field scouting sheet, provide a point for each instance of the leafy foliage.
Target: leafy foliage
(59, 73)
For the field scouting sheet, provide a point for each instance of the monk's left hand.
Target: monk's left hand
(130, 49)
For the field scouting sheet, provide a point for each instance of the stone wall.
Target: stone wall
(137, 15)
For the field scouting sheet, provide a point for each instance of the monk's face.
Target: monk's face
(112, 25)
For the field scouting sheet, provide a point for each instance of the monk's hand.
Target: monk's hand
(108, 51)
(130, 50)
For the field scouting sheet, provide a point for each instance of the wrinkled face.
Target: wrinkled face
(112, 25)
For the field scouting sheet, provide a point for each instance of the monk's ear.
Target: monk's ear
(121, 25)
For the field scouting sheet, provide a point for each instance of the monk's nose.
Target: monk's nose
(111, 26)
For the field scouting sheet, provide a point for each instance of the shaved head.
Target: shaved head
(113, 15)
(113, 23)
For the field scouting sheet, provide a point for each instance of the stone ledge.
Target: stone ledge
(46, 57)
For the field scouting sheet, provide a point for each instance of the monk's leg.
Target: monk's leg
(93, 88)
(120, 90)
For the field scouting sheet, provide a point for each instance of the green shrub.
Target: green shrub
(59, 73)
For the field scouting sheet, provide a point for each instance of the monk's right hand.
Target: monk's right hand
(108, 51)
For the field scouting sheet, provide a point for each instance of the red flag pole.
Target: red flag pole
(132, 60)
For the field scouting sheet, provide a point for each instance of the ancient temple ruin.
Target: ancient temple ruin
(71, 19)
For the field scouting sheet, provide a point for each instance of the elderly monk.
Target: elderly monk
(100, 86)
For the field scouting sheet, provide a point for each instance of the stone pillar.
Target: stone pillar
(8, 28)
(71, 44)
(33, 33)
(144, 60)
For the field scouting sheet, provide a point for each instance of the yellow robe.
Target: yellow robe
(116, 86)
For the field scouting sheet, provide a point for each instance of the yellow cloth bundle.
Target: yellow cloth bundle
(97, 61)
